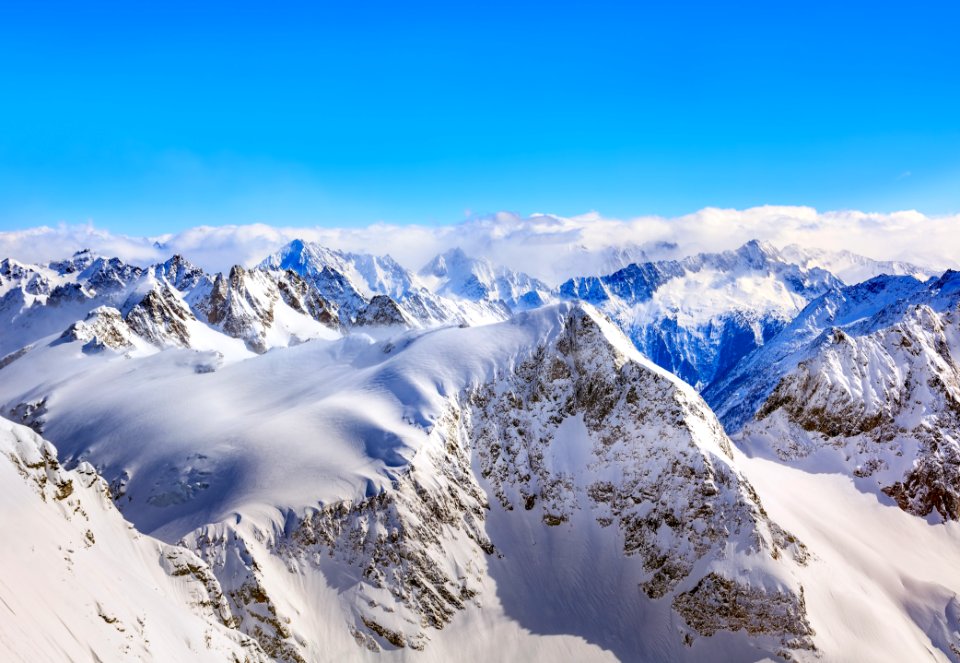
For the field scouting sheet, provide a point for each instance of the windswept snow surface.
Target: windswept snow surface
(317, 423)
(884, 584)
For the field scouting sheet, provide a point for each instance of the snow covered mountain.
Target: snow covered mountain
(697, 317)
(329, 457)
(866, 381)
(170, 304)
(349, 279)
(384, 491)
(304, 291)
(37, 300)
(352, 280)
(454, 274)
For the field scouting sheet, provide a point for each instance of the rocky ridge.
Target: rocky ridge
(352, 280)
(876, 392)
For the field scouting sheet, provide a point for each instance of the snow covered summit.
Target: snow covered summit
(455, 274)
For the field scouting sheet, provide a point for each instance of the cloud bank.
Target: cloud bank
(544, 245)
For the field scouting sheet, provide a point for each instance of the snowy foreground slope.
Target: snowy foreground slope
(79, 583)
(882, 584)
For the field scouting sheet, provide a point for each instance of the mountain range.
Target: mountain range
(745, 455)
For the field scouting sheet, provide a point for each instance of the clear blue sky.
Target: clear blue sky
(148, 117)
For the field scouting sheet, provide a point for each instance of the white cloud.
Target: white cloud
(43, 243)
(545, 245)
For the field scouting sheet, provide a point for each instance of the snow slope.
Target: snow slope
(883, 584)
(79, 583)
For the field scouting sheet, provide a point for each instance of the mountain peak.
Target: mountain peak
(296, 245)
(79, 261)
(443, 263)
(303, 257)
(758, 253)
(455, 273)
(455, 255)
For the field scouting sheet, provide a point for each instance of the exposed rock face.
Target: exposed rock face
(882, 391)
(29, 413)
(716, 603)
(182, 274)
(103, 327)
(933, 483)
(160, 318)
(381, 311)
(337, 288)
(236, 310)
(302, 298)
(244, 304)
(256, 613)
(656, 462)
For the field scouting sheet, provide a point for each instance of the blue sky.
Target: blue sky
(150, 117)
